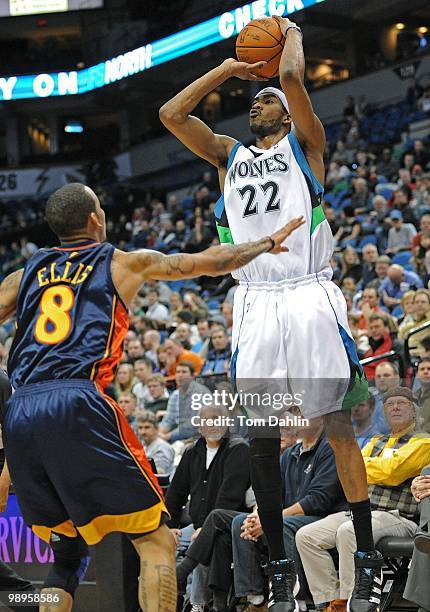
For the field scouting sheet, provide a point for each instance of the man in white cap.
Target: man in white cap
(290, 328)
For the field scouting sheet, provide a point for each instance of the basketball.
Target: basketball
(261, 40)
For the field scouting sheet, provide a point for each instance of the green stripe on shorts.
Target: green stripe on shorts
(359, 392)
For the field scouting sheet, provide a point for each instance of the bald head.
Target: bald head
(396, 274)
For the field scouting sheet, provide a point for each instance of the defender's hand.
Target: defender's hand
(244, 71)
(279, 236)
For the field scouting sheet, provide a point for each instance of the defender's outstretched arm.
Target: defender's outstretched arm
(215, 261)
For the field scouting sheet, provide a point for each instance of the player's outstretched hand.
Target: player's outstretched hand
(283, 233)
(244, 71)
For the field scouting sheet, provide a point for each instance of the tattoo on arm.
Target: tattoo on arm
(8, 294)
(232, 257)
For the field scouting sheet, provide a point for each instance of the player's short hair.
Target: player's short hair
(68, 209)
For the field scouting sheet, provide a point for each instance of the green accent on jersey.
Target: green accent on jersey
(224, 234)
(358, 392)
(318, 217)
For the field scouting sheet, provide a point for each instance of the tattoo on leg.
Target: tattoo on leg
(143, 600)
(167, 588)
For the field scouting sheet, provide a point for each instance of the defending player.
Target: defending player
(78, 469)
(290, 320)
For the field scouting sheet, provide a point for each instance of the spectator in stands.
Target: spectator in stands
(214, 473)
(386, 377)
(124, 378)
(195, 304)
(177, 353)
(400, 235)
(201, 347)
(395, 511)
(423, 394)
(200, 237)
(420, 316)
(368, 305)
(342, 154)
(177, 423)
(420, 153)
(408, 308)
(142, 371)
(362, 420)
(218, 357)
(157, 404)
(400, 201)
(135, 350)
(397, 282)
(151, 342)
(127, 402)
(182, 333)
(381, 268)
(227, 313)
(157, 449)
(422, 256)
(370, 256)
(387, 166)
(350, 265)
(176, 304)
(360, 195)
(380, 342)
(164, 291)
(155, 310)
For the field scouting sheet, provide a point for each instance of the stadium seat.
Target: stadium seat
(402, 259)
(397, 553)
(398, 311)
(371, 239)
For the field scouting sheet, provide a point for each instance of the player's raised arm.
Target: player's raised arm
(291, 75)
(8, 295)
(191, 131)
(215, 261)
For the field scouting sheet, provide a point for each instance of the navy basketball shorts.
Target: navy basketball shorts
(76, 464)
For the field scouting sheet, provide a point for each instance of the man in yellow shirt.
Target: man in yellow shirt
(391, 461)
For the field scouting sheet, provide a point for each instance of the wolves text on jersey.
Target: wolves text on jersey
(258, 168)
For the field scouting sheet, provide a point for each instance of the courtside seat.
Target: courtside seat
(397, 553)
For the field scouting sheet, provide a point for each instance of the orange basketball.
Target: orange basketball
(261, 40)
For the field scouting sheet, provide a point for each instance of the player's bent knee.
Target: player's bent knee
(71, 560)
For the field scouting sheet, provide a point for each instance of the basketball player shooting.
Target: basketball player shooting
(290, 320)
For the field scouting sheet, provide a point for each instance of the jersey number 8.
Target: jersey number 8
(55, 305)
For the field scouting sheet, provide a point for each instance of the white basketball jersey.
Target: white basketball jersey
(263, 190)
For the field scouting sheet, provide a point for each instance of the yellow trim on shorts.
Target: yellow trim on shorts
(66, 528)
(142, 521)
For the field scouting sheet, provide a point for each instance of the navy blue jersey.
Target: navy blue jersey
(71, 322)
